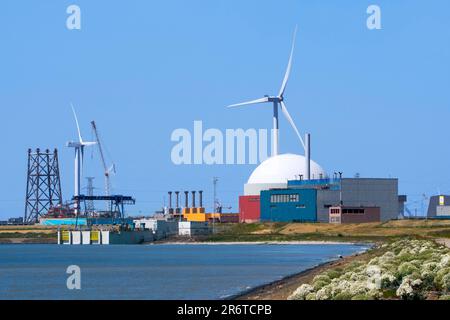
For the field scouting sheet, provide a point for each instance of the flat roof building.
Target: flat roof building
(344, 214)
(439, 207)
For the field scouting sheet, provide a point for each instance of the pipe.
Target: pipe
(308, 155)
(193, 199)
(186, 197)
(201, 198)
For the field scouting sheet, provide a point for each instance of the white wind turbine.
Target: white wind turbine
(79, 159)
(278, 101)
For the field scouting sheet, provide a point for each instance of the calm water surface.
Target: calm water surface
(154, 271)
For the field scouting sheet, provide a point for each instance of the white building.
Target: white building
(275, 172)
(193, 228)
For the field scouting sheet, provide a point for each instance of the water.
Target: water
(173, 272)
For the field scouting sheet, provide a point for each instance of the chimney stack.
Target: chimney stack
(193, 199)
(178, 199)
(201, 198)
(308, 156)
(186, 197)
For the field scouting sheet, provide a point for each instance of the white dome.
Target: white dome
(284, 167)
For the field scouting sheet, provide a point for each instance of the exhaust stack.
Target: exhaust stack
(186, 199)
(193, 199)
(177, 193)
(201, 198)
(308, 155)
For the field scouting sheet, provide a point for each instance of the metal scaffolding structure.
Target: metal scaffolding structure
(90, 207)
(116, 203)
(43, 184)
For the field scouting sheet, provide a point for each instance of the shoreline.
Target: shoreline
(283, 288)
(264, 243)
(198, 243)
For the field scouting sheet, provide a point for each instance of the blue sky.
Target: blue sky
(377, 102)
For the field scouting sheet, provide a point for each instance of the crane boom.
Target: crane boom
(102, 156)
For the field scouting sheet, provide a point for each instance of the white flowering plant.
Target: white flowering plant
(405, 269)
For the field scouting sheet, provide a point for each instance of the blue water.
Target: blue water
(174, 272)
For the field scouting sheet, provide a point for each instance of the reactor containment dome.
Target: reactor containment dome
(277, 170)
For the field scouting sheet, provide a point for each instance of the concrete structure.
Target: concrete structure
(314, 198)
(443, 212)
(354, 192)
(276, 171)
(344, 214)
(289, 205)
(104, 237)
(439, 207)
(229, 218)
(15, 221)
(187, 228)
(249, 209)
(161, 228)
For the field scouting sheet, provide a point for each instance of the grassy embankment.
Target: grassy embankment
(368, 232)
(265, 232)
(28, 234)
(408, 269)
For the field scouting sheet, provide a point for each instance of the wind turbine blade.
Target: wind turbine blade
(289, 66)
(262, 100)
(289, 118)
(89, 144)
(78, 125)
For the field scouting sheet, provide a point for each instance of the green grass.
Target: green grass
(440, 234)
(267, 232)
(29, 235)
(245, 237)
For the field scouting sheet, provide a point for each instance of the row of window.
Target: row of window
(358, 211)
(299, 206)
(354, 211)
(282, 198)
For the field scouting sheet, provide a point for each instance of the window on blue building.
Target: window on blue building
(284, 198)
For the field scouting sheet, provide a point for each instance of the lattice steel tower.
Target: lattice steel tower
(90, 207)
(43, 184)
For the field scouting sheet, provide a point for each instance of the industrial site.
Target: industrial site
(285, 188)
(195, 151)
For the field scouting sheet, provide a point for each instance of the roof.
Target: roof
(284, 167)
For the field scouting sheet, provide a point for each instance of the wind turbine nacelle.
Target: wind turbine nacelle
(72, 144)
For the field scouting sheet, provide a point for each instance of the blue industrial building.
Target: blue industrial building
(310, 200)
(286, 205)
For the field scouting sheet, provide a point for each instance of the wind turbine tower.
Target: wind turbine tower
(278, 103)
(79, 159)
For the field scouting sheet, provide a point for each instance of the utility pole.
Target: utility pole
(215, 181)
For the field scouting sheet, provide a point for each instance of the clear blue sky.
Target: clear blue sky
(375, 102)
